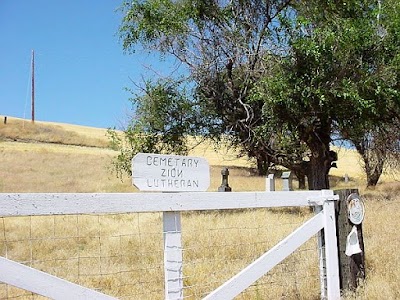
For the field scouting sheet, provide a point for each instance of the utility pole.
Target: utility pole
(33, 86)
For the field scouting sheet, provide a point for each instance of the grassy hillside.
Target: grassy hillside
(58, 152)
(49, 157)
(21, 130)
(54, 157)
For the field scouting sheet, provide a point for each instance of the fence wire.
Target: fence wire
(122, 254)
(232, 240)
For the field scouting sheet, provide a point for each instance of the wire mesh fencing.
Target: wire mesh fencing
(122, 254)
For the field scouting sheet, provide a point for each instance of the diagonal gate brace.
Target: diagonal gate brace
(44, 284)
(268, 260)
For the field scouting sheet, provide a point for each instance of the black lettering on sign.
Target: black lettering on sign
(172, 183)
(171, 173)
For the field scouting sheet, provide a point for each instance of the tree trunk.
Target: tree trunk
(301, 177)
(373, 158)
(262, 166)
(320, 164)
(302, 181)
(374, 171)
(318, 174)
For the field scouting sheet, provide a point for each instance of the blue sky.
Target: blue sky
(81, 71)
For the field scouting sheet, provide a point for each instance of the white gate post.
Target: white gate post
(173, 272)
(331, 251)
(322, 257)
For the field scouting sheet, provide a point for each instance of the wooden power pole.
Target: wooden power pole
(33, 86)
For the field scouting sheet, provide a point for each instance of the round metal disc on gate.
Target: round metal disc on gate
(355, 209)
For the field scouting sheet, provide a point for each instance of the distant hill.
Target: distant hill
(70, 144)
(22, 130)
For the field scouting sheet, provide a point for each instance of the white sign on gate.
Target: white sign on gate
(170, 173)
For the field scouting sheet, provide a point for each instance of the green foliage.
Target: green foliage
(221, 44)
(151, 20)
(337, 75)
(277, 78)
(164, 116)
(166, 25)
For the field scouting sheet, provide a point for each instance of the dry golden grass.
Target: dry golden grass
(219, 157)
(111, 252)
(122, 254)
(45, 132)
(26, 167)
(350, 163)
(226, 242)
(382, 243)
